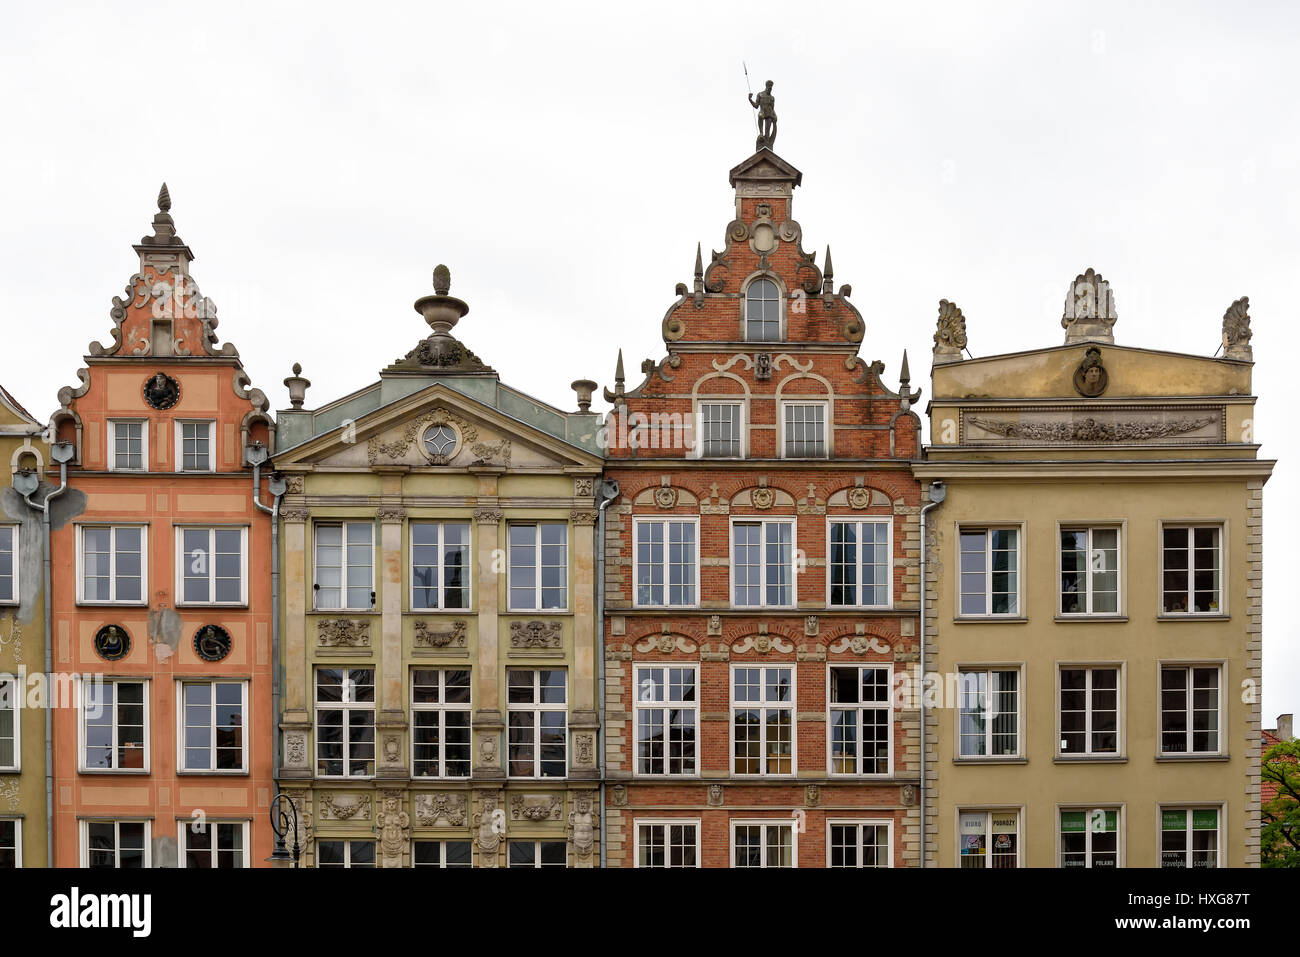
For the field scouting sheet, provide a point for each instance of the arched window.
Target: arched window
(762, 311)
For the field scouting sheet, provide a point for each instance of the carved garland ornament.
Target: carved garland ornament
(432, 808)
(427, 637)
(536, 807)
(338, 808)
(343, 632)
(1090, 430)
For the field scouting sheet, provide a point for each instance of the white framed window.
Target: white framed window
(9, 564)
(804, 434)
(1189, 837)
(440, 723)
(990, 571)
(214, 844)
(345, 722)
(1089, 710)
(212, 565)
(670, 842)
(1191, 566)
(111, 564)
(537, 716)
(720, 429)
(1090, 583)
(538, 854)
(762, 720)
(11, 710)
(1091, 837)
(196, 446)
(861, 719)
(860, 572)
(763, 843)
(666, 562)
(114, 724)
(988, 839)
(989, 713)
(441, 854)
(1191, 709)
(345, 566)
(213, 732)
(440, 566)
(763, 311)
(762, 563)
(667, 719)
(11, 843)
(538, 567)
(128, 445)
(859, 843)
(345, 853)
(115, 844)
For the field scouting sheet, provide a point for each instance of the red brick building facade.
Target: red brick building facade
(761, 571)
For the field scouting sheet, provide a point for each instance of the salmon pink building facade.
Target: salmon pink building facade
(162, 604)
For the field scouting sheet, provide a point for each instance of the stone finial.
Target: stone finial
(440, 310)
(828, 274)
(584, 388)
(164, 227)
(1089, 310)
(1236, 331)
(904, 374)
(698, 292)
(950, 335)
(441, 280)
(297, 386)
(616, 396)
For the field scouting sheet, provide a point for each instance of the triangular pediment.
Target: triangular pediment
(437, 428)
(765, 166)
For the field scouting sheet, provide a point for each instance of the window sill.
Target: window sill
(990, 620)
(1100, 619)
(112, 604)
(200, 605)
(211, 774)
(114, 772)
(1090, 759)
(1192, 616)
(1190, 758)
(418, 612)
(994, 759)
(534, 611)
(345, 611)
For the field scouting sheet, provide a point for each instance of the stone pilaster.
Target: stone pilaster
(583, 720)
(1254, 662)
(391, 723)
(489, 724)
(295, 716)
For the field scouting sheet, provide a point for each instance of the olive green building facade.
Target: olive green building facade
(1093, 607)
(24, 824)
(438, 640)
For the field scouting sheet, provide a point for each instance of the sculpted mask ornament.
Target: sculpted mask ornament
(1090, 379)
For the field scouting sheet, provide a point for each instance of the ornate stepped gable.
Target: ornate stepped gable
(163, 317)
(710, 354)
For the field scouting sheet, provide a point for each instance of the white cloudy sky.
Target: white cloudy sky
(564, 160)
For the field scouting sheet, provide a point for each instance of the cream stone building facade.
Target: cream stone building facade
(438, 533)
(1094, 570)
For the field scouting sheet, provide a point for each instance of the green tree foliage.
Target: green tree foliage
(1280, 834)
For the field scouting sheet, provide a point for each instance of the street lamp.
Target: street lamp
(284, 820)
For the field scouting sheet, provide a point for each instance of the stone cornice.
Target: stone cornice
(1059, 470)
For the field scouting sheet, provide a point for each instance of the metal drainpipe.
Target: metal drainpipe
(274, 511)
(609, 492)
(938, 491)
(44, 509)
